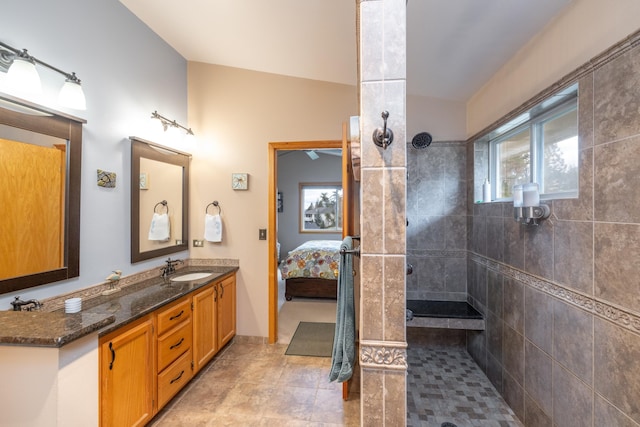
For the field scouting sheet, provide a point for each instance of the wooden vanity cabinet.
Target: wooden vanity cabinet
(226, 310)
(174, 344)
(205, 315)
(145, 364)
(214, 319)
(127, 380)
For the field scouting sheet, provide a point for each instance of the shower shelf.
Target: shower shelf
(444, 314)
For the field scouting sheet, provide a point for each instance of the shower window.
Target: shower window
(512, 161)
(539, 146)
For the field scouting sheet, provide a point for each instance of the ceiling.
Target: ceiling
(453, 46)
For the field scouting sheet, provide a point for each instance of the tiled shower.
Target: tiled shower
(437, 221)
(560, 300)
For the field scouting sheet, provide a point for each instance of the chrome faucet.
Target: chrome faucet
(170, 267)
(17, 304)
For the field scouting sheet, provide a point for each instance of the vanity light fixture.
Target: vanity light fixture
(23, 77)
(527, 208)
(166, 123)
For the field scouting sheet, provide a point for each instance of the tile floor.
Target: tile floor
(444, 384)
(250, 383)
(255, 384)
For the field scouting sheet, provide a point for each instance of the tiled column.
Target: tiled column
(383, 361)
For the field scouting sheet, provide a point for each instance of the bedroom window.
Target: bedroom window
(321, 207)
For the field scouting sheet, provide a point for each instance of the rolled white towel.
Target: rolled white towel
(213, 228)
(160, 227)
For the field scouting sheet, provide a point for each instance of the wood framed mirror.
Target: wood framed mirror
(159, 200)
(40, 194)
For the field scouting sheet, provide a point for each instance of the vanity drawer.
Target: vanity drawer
(174, 315)
(173, 344)
(174, 378)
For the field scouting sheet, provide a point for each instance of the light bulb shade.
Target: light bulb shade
(23, 77)
(72, 96)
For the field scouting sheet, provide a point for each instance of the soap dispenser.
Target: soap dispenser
(486, 191)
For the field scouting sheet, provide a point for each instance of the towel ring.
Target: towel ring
(214, 203)
(163, 203)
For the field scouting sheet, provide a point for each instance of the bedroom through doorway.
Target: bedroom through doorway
(298, 168)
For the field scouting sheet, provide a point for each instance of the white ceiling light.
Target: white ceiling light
(23, 78)
(71, 94)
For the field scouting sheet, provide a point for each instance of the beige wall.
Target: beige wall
(235, 113)
(583, 30)
(443, 119)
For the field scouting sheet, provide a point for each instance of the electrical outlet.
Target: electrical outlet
(262, 234)
(198, 243)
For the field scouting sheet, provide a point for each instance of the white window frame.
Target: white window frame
(534, 120)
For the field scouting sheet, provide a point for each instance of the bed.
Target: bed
(311, 270)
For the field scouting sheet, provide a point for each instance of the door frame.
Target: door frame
(272, 231)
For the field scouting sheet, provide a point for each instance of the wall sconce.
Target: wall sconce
(166, 123)
(527, 208)
(23, 77)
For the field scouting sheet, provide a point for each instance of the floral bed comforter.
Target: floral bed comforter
(315, 258)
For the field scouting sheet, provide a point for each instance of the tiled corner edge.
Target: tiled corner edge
(383, 355)
(603, 309)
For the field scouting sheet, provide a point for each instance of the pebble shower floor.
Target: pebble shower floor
(445, 385)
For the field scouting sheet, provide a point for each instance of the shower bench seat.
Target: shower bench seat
(444, 315)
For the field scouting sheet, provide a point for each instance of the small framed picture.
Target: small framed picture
(240, 181)
(144, 181)
(106, 179)
(280, 202)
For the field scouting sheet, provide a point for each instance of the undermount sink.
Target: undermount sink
(190, 277)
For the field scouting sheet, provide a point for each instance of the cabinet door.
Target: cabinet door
(226, 310)
(126, 376)
(205, 337)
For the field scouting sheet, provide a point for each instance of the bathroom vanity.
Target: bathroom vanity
(144, 364)
(119, 360)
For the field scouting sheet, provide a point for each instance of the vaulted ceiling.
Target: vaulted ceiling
(453, 46)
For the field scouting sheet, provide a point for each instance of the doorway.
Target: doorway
(272, 232)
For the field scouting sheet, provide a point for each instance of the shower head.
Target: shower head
(421, 140)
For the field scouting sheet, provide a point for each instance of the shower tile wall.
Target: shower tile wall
(382, 341)
(437, 216)
(561, 300)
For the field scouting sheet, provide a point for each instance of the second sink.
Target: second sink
(190, 277)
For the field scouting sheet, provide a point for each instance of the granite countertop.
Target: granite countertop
(103, 314)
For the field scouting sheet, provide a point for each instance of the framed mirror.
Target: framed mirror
(40, 167)
(159, 200)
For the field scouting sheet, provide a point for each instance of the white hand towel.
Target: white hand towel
(160, 228)
(213, 228)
